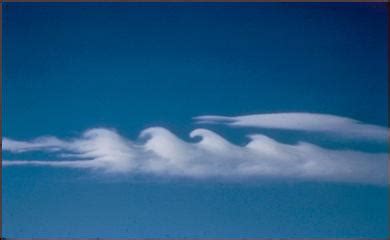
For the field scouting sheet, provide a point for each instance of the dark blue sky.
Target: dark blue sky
(70, 67)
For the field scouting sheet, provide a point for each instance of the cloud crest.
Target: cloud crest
(324, 123)
(159, 152)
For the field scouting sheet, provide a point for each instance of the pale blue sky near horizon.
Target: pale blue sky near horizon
(68, 67)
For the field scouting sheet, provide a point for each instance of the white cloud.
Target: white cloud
(326, 123)
(159, 152)
(100, 148)
(46, 143)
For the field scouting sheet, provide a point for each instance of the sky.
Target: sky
(195, 120)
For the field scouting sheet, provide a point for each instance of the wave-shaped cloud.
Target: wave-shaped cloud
(326, 123)
(159, 152)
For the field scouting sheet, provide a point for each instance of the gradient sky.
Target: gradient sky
(70, 67)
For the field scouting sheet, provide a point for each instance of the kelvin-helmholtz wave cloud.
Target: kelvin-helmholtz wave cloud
(158, 152)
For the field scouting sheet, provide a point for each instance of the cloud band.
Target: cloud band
(315, 122)
(159, 152)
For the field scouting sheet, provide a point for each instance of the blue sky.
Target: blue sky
(95, 76)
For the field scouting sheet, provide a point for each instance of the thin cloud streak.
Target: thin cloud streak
(325, 123)
(158, 152)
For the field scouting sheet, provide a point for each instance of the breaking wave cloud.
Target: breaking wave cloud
(158, 152)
